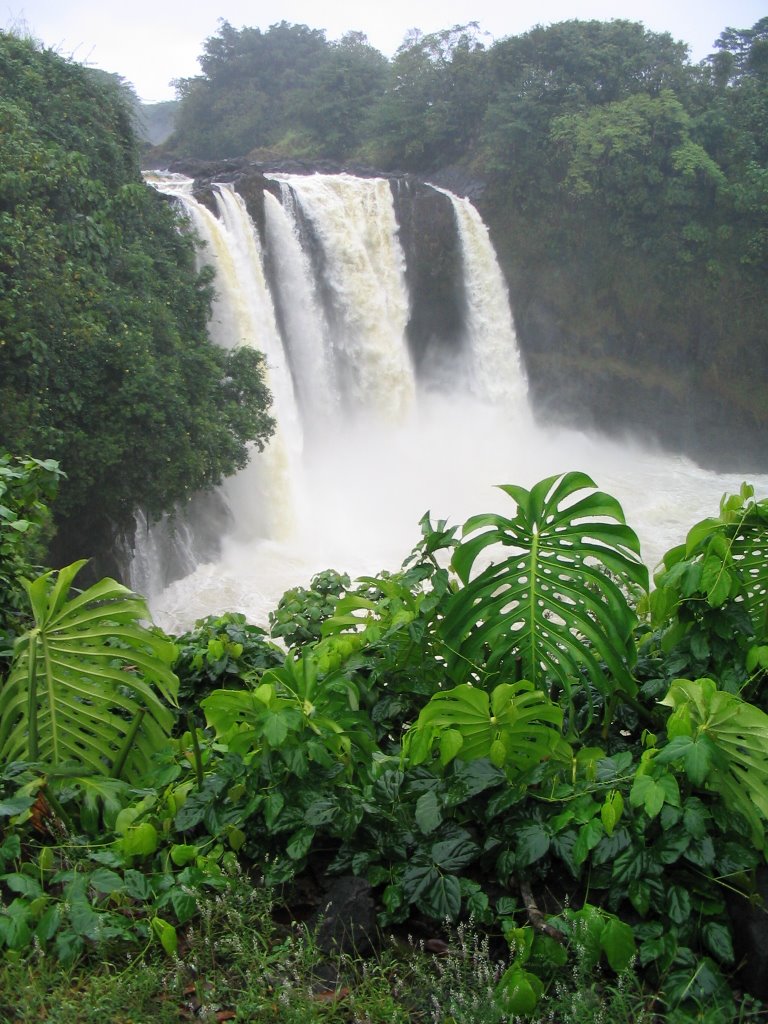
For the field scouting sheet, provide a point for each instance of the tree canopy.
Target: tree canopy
(105, 362)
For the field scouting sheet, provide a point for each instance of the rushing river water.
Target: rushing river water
(364, 445)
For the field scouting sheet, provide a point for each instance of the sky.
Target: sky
(151, 42)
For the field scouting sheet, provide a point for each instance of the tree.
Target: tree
(333, 106)
(637, 157)
(742, 53)
(245, 94)
(568, 68)
(433, 106)
(105, 361)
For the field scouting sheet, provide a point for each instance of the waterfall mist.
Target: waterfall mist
(365, 444)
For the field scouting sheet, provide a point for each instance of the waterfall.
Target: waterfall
(259, 501)
(304, 322)
(364, 276)
(262, 495)
(496, 371)
(365, 444)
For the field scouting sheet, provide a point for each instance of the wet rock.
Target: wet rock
(434, 271)
(749, 921)
(347, 919)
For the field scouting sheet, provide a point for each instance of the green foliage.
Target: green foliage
(383, 632)
(563, 69)
(639, 157)
(251, 80)
(290, 703)
(529, 615)
(430, 113)
(332, 107)
(26, 485)
(80, 690)
(741, 53)
(300, 613)
(515, 727)
(105, 362)
(302, 746)
(72, 894)
(722, 742)
(710, 604)
(599, 935)
(723, 560)
(627, 858)
(221, 651)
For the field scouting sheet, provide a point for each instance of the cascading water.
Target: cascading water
(263, 494)
(364, 276)
(496, 370)
(304, 322)
(380, 447)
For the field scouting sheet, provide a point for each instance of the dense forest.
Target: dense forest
(105, 361)
(625, 188)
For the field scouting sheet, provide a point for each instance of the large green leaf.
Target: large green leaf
(744, 523)
(736, 737)
(723, 558)
(515, 726)
(89, 685)
(553, 607)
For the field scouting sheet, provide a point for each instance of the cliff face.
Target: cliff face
(656, 378)
(610, 345)
(606, 344)
(434, 268)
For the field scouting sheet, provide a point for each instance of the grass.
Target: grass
(237, 964)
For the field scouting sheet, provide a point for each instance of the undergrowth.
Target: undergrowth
(238, 963)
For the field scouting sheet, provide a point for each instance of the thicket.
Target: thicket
(105, 362)
(536, 744)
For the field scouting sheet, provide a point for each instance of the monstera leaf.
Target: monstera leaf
(83, 686)
(552, 608)
(722, 742)
(724, 558)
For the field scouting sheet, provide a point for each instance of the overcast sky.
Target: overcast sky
(150, 42)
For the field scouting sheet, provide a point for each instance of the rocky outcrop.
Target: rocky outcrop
(609, 346)
(347, 922)
(434, 271)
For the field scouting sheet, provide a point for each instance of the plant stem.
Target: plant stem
(32, 697)
(130, 736)
(195, 750)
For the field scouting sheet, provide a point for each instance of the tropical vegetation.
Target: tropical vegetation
(105, 361)
(548, 773)
(520, 753)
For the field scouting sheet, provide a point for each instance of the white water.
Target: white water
(305, 323)
(354, 219)
(378, 451)
(496, 372)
